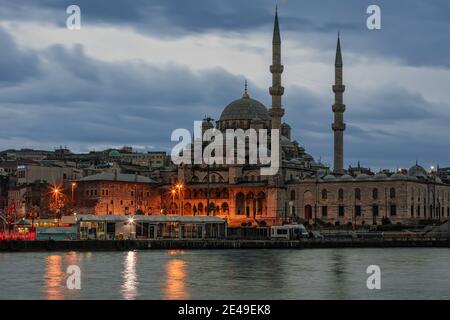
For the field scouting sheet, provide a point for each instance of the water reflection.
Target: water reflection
(53, 278)
(175, 285)
(175, 252)
(130, 282)
(339, 277)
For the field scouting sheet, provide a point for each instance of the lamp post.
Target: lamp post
(73, 185)
(173, 191)
(180, 188)
(130, 223)
(56, 192)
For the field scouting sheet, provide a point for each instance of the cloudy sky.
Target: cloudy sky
(139, 69)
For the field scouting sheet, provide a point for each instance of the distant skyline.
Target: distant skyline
(138, 70)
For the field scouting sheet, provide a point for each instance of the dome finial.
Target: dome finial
(245, 95)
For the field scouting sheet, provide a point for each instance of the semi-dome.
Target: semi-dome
(398, 176)
(329, 177)
(417, 171)
(245, 108)
(346, 177)
(285, 142)
(380, 176)
(362, 176)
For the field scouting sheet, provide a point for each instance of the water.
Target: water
(228, 274)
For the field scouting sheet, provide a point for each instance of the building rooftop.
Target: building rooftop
(122, 177)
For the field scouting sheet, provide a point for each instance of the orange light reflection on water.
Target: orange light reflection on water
(175, 285)
(53, 278)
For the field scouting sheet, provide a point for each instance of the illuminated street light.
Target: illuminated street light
(179, 186)
(73, 192)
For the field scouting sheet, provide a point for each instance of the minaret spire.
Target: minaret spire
(338, 110)
(276, 29)
(338, 61)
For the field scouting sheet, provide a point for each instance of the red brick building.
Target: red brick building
(116, 193)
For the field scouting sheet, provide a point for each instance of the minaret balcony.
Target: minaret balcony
(277, 69)
(276, 91)
(338, 126)
(338, 88)
(276, 112)
(339, 107)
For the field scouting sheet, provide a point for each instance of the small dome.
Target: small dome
(285, 142)
(346, 177)
(398, 176)
(114, 153)
(417, 171)
(362, 176)
(329, 177)
(380, 176)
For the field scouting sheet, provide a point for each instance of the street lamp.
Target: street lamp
(130, 224)
(56, 191)
(73, 185)
(180, 186)
(173, 191)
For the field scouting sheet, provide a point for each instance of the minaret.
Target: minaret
(276, 198)
(338, 109)
(276, 90)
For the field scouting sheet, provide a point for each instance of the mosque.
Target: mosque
(304, 190)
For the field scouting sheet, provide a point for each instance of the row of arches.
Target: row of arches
(200, 209)
(250, 204)
(214, 193)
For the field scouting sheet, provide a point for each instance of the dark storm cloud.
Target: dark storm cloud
(414, 32)
(15, 65)
(81, 100)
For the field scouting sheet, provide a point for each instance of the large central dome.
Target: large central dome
(245, 109)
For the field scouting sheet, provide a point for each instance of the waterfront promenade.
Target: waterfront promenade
(126, 245)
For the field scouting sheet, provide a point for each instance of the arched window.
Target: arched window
(324, 194)
(341, 194)
(375, 194)
(240, 203)
(392, 193)
(225, 208)
(293, 195)
(358, 194)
